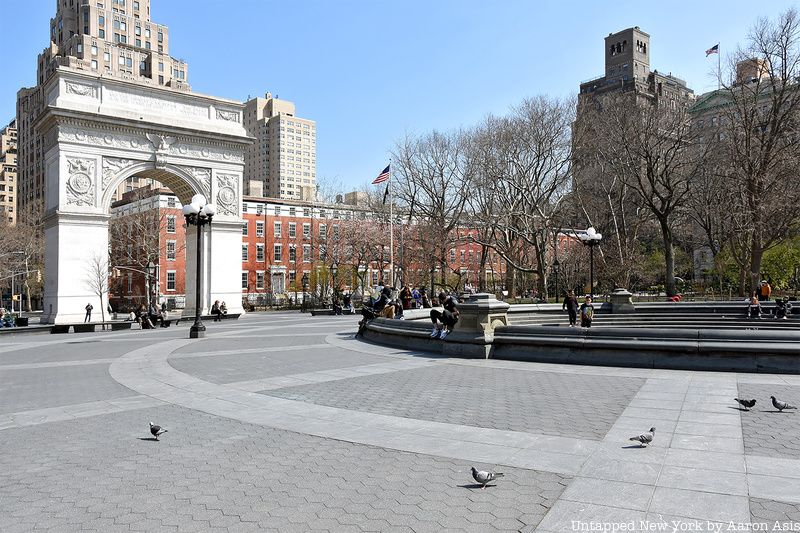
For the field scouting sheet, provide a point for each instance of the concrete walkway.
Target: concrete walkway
(710, 463)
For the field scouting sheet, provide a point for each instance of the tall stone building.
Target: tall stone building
(114, 38)
(282, 163)
(627, 70)
(8, 174)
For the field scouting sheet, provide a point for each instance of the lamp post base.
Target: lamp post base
(197, 332)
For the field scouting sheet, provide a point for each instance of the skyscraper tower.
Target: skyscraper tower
(112, 38)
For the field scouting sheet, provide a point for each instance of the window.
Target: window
(292, 253)
(245, 227)
(101, 33)
(101, 20)
(277, 252)
(260, 252)
(292, 230)
(323, 231)
(306, 212)
(160, 37)
(94, 49)
(94, 64)
(137, 30)
(259, 209)
(306, 253)
(452, 256)
(171, 251)
(245, 276)
(292, 212)
(147, 32)
(161, 66)
(259, 228)
(336, 231)
(106, 56)
(292, 277)
(170, 280)
(244, 252)
(259, 279)
(171, 223)
(306, 230)
(323, 253)
(171, 201)
(277, 229)
(277, 210)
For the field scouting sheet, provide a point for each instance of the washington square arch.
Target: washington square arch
(100, 131)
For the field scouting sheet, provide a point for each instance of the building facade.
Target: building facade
(8, 174)
(112, 38)
(282, 163)
(282, 240)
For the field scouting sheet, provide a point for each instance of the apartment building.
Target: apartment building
(282, 163)
(8, 174)
(113, 38)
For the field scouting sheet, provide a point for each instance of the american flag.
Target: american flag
(383, 176)
(713, 50)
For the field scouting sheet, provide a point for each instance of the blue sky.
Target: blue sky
(369, 71)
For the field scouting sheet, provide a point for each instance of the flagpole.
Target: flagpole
(391, 228)
(719, 68)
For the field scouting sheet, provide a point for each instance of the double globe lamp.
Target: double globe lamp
(198, 213)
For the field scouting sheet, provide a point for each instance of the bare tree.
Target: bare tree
(525, 172)
(97, 279)
(432, 184)
(758, 132)
(652, 149)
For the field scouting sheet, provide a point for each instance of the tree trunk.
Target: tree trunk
(511, 280)
(756, 255)
(669, 259)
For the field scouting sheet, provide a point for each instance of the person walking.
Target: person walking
(571, 305)
(88, 317)
(587, 313)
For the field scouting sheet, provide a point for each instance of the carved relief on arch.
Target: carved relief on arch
(81, 181)
(113, 167)
(227, 194)
(203, 178)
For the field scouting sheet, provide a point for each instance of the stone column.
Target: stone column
(474, 331)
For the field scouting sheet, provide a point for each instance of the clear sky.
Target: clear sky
(369, 71)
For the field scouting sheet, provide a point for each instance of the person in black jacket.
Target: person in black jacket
(571, 305)
(382, 307)
(444, 320)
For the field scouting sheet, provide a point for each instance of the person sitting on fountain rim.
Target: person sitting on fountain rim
(587, 313)
(445, 320)
(382, 307)
(754, 307)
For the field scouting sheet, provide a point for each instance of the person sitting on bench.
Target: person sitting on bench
(382, 307)
(444, 320)
(754, 307)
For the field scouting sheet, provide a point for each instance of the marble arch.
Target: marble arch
(97, 133)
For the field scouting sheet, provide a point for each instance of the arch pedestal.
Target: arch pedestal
(99, 132)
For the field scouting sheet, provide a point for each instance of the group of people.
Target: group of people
(385, 306)
(783, 307)
(586, 310)
(148, 318)
(219, 310)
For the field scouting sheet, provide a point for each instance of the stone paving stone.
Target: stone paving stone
(537, 402)
(785, 515)
(215, 474)
(70, 351)
(766, 431)
(23, 390)
(232, 368)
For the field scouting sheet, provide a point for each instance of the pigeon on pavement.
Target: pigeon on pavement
(156, 430)
(483, 477)
(645, 438)
(780, 406)
(747, 404)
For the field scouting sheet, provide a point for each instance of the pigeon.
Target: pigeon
(485, 477)
(645, 438)
(780, 406)
(156, 430)
(747, 404)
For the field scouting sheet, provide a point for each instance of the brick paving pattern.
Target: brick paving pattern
(537, 402)
(214, 474)
(771, 512)
(767, 432)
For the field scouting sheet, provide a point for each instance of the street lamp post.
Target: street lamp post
(150, 269)
(198, 213)
(334, 271)
(304, 281)
(556, 265)
(591, 239)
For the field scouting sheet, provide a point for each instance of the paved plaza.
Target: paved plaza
(283, 422)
